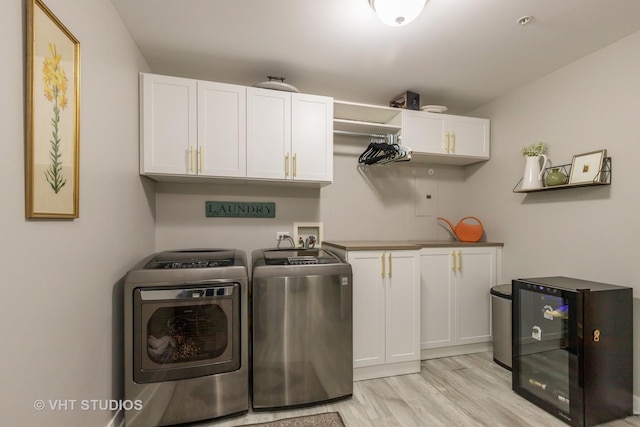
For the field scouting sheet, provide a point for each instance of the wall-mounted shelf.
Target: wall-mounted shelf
(603, 178)
(366, 118)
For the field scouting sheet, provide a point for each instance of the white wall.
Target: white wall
(58, 323)
(590, 233)
(370, 203)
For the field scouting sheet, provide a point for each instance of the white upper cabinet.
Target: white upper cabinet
(193, 129)
(168, 128)
(447, 139)
(433, 137)
(222, 142)
(424, 132)
(312, 137)
(289, 136)
(268, 133)
(469, 136)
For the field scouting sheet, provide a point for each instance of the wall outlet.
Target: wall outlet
(282, 234)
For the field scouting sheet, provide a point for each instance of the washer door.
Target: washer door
(186, 332)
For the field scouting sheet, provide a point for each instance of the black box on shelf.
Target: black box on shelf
(408, 100)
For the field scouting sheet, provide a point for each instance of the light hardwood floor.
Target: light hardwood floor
(469, 390)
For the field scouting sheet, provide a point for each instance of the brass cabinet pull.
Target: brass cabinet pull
(459, 260)
(383, 269)
(286, 165)
(453, 142)
(190, 158)
(199, 159)
(390, 266)
(453, 256)
(295, 164)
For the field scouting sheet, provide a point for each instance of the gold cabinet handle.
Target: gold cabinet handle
(453, 142)
(390, 266)
(295, 164)
(383, 269)
(453, 256)
(199, 159)
(190, 158)
(286, 165)
(447, 138)
(459, 260)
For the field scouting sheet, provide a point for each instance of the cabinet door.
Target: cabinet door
(424, 132)
(437, 296)
(222, 141)
(475, 276)
(368, 308)
(402, 299)
(168, 130)
(469, 136)
(312, 137)
(268, 134)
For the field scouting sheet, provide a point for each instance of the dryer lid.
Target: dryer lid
(194, 258)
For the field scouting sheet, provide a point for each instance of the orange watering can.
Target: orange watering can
(464, 231)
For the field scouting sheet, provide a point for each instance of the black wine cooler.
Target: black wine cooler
(573, 348)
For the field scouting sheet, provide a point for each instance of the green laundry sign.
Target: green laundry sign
(241, 209)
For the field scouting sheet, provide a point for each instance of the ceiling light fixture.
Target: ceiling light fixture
(524, 20)
(396, 13)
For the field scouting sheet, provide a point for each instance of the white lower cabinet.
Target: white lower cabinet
(386, 312)
(455, 285)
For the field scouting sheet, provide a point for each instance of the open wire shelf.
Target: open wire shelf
(602, 178)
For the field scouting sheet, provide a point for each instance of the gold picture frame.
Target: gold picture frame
(52, 145)
(586, 168)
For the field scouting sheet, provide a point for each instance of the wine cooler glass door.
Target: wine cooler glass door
(545, 349)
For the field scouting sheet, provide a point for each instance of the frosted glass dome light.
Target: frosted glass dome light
(396, 13)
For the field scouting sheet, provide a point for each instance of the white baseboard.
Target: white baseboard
(458, 350)
(636, 405)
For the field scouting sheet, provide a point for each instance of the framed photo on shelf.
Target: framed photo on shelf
(587, 167)
(307, 234)
(53, 116)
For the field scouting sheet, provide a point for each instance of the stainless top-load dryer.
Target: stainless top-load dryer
(302, 339)
(186, 337)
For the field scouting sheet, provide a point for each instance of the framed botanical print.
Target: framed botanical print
(53, 116)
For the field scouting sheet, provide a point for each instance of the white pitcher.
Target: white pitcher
(533, 172)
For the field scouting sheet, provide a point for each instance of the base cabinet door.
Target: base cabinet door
(386, 304)
(369, 306)
(455, 295)
(475, 277)
(402, 298)
(437, 298)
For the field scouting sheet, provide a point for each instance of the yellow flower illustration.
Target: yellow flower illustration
(55, 90)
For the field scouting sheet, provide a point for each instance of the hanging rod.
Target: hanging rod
(371, 135)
